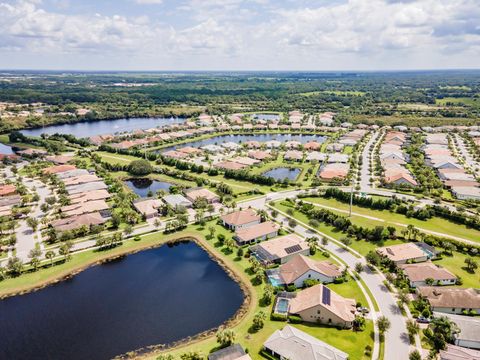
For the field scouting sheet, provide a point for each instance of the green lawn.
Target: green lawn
(474, 102)
(456, 265)
(112, 158)
(361, 246)
(434, 224)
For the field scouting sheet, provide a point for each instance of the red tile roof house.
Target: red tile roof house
(175, 154)
(193, 194)
(301, 268)
(148, 207)
(229, 165)
(84, 207)
(254, 233)
(6, 190)
(451, 300)
(75, 222)
(259, 155)
(418, 274)
(58, 169)
(312, 145)
(400, 177)
(319, 304)
(401, 253)
(241, 219)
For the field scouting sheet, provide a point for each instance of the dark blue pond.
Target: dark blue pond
(253, 137)
(155, 296)
(142, 187)
(282, 173)
(102, 127)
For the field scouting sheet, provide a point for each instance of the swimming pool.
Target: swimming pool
(282, 306)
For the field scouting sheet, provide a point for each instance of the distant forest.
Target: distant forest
(421, 97)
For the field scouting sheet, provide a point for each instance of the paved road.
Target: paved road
(25, 236)
(397, 346)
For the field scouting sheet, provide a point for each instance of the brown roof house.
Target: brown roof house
(8, 189)
(148, 207)
(281, 249)
(451, 300)
(418, 274)
(401, 253)
(58, 169)
(193, 194)
(84, 207)
(300, 268)
(319, 304)
(75, 222)
(258, 232)
(241, 219)
(293, 344)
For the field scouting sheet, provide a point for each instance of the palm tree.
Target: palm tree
(412, 329)
(383, 325)
(50, 254)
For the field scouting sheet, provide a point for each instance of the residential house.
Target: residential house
(407, 252)
(58, 169)
(257, 232)
(419, 273)
(300, 268)
(7, 189)
(75, 222)
(148, 207)
(84, 207)
(229, 165)
(451, 300)
(89, 196)
(177, 200)
(193, 194)
(469, 335)
(319, 304)
(81, 188)
(293, 344)
(281, 249)
(452, 352)
(293, 155)
(232, 352)
(241, 219)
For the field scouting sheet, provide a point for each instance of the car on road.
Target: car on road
(423, 320)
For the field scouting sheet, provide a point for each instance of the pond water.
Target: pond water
(102, 127)
(266, 117)
(5, 149)
(143, 186)
(155, 296)
(281, 173)
(252, 137)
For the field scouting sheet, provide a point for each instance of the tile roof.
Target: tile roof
(451, 297)
(241, 217)
(256, 231)
(300, 264)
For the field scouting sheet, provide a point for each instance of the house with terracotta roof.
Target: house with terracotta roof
(451, 300)
(399, 177)
(60, 159)
(89, 196)
(75, 222)
(280, 250)
(319, 304)
(84, 207)
(189, 150)
(7, 189)
(82, 179)
(195, 193)
(300, 268)
(256, 232)
(58, 169)
(241, 219)
(418, 274)
(335, 171)
(312, 145)
(259, 155)
(229, 165)
(175, 154)
(293, 155)
(148, 207)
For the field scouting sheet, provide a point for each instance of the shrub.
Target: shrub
(140, 167)
(295, 319)
(278, 317)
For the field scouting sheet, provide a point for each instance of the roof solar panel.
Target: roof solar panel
(326, 296)
(292, 249)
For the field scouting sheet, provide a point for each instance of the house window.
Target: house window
(453, 309)
(318, 312)
(309, 275)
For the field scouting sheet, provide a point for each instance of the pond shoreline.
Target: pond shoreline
(233, 320)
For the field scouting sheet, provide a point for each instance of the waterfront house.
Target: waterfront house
(257, 232)
(241, 219)
(293, 344)
(195, 193)
(177, 200)
(232, 352)
(281, 249)
(319, 304)
(148, 207)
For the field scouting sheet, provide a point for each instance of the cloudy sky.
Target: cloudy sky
(239, 34)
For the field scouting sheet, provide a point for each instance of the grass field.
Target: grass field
(456, 264)
(389, 218)
(473, 102)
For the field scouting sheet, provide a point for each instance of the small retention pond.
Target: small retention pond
(155, 296)
(281, 173)
(144, 186)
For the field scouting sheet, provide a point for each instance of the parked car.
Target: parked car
(423, 320)
(363, 310)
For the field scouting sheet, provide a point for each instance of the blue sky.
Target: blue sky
(239, 34)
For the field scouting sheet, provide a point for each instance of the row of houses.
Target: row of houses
(393, 160)
(9, 198)
(87, 194)
(453, 175)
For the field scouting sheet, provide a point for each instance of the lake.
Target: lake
(102, 127)
(252, 137)
(281, 173)
(155, 296)
(5, 149)
(143, 186)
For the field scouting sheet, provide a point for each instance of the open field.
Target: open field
(389, 218)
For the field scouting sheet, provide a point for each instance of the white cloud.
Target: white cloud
(255, 34)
